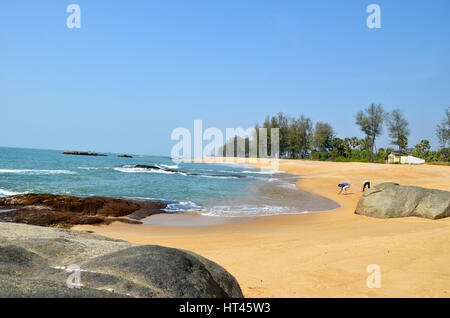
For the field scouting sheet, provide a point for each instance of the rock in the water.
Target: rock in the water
(64, 210)
(83, 153)
(155, 168)
(237, 176)
(33, 263)
(390, 200)
(122, 155)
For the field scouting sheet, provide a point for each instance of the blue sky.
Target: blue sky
(138, 69)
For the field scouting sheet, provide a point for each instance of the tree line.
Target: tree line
(299, 138)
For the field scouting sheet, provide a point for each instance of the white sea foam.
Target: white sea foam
(6, 193)
(264, 171)
(34, 171)
(291, 186)
(182, 206)
(216, 177)
(249, 210)
(141, 170)
(173, 206)
(168, 166)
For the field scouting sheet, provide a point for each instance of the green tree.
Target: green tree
(371, 123)
(338, 148)
(443, 130)
(422, 149)
(323, 137)
(398, 129)
(365, 144)
(354, 142)
(283, 125)
(299, 137)
(239, 144)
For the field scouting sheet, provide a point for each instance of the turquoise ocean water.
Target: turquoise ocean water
(211, 189)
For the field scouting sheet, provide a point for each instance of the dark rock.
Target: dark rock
(390, 200)
(170, 273)
(33, 262)
(83, 153)
(155, 168)
(225, 280)
(124, 156)
(190, 173)
(15, 260)
(31, 287)
(63, 210)
(147, 167)
(143, 213)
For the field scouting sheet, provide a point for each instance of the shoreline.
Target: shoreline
(315, 204)
(322, 254)
(194, 219)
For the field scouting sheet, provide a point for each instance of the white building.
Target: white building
(404, 159)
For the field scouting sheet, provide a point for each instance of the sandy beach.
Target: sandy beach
(322, 254)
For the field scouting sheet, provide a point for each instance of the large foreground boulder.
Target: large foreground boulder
(34, 262)
(390, 200)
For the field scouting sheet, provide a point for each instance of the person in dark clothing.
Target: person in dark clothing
(366, 184)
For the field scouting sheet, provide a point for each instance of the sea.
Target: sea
(214, 189)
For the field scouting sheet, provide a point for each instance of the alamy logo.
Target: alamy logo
(374, 19)
(74, 19)
(374, 279)
(74, 279)
(238, 145)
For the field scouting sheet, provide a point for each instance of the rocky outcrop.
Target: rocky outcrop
(34, 262)
(83, 153)
(390, 200)
(152, 167)
(64, 210)
(122, 155)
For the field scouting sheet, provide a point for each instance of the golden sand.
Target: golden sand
(323, 254)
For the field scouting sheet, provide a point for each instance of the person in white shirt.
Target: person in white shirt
(366, 184)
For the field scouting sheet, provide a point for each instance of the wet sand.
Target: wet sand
(191, 219)
(281, 191)
(323, 254)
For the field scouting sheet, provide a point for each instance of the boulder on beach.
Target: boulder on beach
(38, 262)
(391, 200)
(64, 210)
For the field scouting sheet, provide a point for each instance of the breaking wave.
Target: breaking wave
(133, 169)
(182, 206)
(6, 193)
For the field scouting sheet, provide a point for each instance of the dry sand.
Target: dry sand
(323, 254)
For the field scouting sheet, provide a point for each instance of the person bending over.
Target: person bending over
(366, 184)
(344, 186)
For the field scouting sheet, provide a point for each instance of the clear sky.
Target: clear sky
(138, 69)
